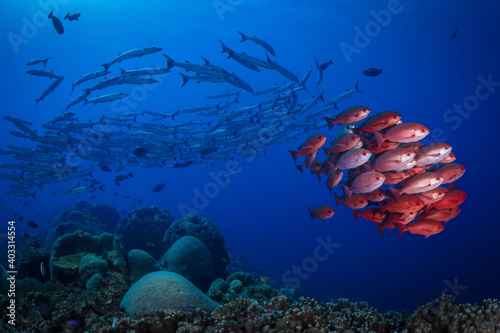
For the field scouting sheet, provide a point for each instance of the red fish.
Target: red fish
(453, 198)
(351, 115)
(432, 196)
(364, 183)
(393, 159)
(370, 214)
(403, 133)
(432, 153)
(309, 160)
(405, 204)
(356, 201)
(415, 146)
(351, 159)
(443, 215)
(451, 172)
(386, 146)
(423, 182)
(448, 159)
(321, 212)
(344, 143)
(376, 195)
(395, 177)
(334, 179)
(424, 227)
(312, 144)
(401, 218)
(379, 122)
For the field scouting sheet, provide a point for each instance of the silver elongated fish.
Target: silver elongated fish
(50, 88)
(228, 94)
(201, 78)
(38, 61)
(105, 98)
(39, 72)
(142, 80)
(206, 69)
(344, 95)
(285, 72)
(89, 76)
(78, 98)
(132, 54)
(145, 71)
(258, 41)
(120, 79)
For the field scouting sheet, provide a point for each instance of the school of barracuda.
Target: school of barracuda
(70, 150)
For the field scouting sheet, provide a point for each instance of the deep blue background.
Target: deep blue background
(263, 213)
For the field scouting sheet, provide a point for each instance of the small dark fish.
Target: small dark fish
(372, 72)
(104, 167)
(72, 17)
(20, 218)
(32, 224)
(454, 33)
(140, 152)
(116, 194)
(42, 269)
(325, 65)
(72, 322)
(149, 244)
(159, 187)
(26, 235)
(57, 23)
(120, 178)
(139, 200)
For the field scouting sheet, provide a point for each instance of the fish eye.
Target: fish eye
(438, 178)
(422, 130)
(377, 178)
(364, 154)
(408, 154)
(418, 203)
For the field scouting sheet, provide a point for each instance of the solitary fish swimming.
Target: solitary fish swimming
(57, 23)
(132, 54)
(372, 72)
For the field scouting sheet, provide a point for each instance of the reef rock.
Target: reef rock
(204, 230)
(163, 291)
(92, 218)
(91, 265)
(140, 263)
(68, 251)
(144, 229)
(192, 259)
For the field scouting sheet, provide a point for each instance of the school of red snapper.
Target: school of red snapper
(384, 152)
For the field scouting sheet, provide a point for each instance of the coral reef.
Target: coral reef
(144, 229)
(140, 264)
(32, 257)
(70, 249)
(92, 218)
(163, 290)
(240, 285)
(444, 316)
(207, 232)
(190, 258)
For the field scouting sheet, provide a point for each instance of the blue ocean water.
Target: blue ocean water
(263, 211)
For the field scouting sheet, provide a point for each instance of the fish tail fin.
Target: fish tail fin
(382, 207)
(106, 66)
(45, 62)
(380, 228)
(337, 199)
(331, 62)
(395, 192)
(101, 187)
(311, 213)
(225, 49)
(170, 61)
(300, 168)
(320, 97)
(51, 14)
(402, 228)
(317, 64)
(243, 37)
(357, 88)
(72, 88)
(176, 113)
(294, 155)
(66, 17)
(330, 122)
(33, 195)
(318, 174)
(185, 79)
(357, 214)
(427, 209)
(122, 71)
(347, 191)
(379, 138)
(326, 150)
